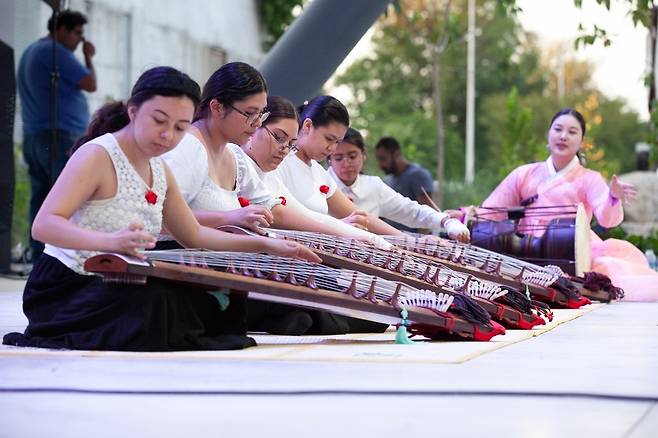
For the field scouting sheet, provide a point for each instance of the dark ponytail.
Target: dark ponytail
(157, 81)
(111, 117)
(280, 108)
(323, 110)
(352, 136)
(231, 82)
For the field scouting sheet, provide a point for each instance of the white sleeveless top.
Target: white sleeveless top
(116, 213)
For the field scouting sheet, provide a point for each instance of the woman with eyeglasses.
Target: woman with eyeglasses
(113, 196)
(216, 179)
(269, 146)
(219, 185)
(211, 179)
(371, 194)
(265, 151)
(323, 124)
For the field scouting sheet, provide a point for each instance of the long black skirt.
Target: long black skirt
(284, 319)
(80, 312)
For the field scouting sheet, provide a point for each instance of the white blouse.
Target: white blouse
(371, 194)
(189, 164)
(305, 182)
(277, 188)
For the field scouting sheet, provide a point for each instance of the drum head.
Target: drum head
(582, 242)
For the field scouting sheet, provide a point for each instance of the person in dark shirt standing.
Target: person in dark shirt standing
(34, 72)
(409, 179)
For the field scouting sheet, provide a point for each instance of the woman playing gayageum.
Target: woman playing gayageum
(323, 122)
(264, 151)
(114, 195)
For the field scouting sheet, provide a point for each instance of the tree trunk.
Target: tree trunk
(440, 130)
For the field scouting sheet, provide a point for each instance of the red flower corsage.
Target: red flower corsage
(151, 197)
(324, 189)
(243, 201)
(283, 200)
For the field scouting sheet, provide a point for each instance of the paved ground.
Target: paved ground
(596, 375)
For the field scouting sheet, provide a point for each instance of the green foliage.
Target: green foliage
(516, 96)
(616, 134)
(598, 34)
(458, 193)
(393, 87)
(517, 132)
(641, 13)
(276, 16)
(643, 243)
(20, 232)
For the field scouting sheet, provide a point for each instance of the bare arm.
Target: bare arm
(290, 218)
(340, 206)
(248, 217)
(88, 83)
(182, 224)
(88, 174)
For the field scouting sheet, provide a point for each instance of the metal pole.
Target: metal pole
(470, 96)
(8, 99)
(315, 44)
(54, 76)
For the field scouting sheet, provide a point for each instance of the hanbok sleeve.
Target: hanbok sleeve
(403, 210)
(607, 210)
(188, 162)
(250, 185)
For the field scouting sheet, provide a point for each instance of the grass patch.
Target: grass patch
(20, 224)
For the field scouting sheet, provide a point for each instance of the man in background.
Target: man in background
(409, 179)
(34, 88)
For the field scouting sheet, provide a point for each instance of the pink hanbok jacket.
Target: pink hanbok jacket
(621, 261)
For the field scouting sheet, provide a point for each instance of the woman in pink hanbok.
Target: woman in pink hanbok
(562, 180)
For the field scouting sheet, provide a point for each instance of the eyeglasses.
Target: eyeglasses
(282, 142)
(350, 156)
(252, 117)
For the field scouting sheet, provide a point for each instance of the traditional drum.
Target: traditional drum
(565, 241)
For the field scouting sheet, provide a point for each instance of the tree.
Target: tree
(276, 16)
(394, 89)
(517, 94)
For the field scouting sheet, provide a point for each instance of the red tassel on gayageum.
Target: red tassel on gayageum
(324, 189)
(151, 197)
(243, 201)
(283, 200)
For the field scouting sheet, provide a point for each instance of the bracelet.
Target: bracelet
(444, 223)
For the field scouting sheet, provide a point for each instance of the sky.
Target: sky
(618, 69)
